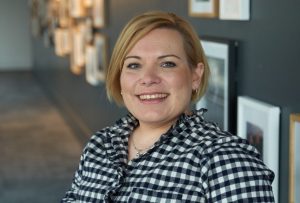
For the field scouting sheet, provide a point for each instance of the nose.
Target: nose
(150, 76)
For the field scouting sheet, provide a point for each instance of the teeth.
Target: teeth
(152, 96)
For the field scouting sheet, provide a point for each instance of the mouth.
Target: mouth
(151, 97)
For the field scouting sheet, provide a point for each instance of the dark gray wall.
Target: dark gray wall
(268, 63)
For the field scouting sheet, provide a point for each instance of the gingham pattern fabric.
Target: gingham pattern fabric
(193, 162)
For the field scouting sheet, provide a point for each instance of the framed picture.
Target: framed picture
(58, 44)
(63, 13)
(235, 9)
(88, 3)
(294, 179)
(96, 60)
(89, 34)
(220, 97)
(98, 13)
(77, 8)
(101, 50)
(77, 56)
(204, 8)
(258, 122)
(62, 41)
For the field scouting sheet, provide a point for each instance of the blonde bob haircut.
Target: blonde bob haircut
(138, 27)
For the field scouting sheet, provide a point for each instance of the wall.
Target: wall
(268, 63)
(15, 39)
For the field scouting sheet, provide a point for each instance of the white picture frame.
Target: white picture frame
(96, 60)
(234, 10)
(294, 165)
(258, 122)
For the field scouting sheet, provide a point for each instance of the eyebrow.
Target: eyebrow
(160, 57)
(168, 55)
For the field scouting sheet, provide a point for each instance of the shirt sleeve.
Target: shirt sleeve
(237, 174)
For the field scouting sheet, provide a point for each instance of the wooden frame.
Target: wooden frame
(77, 56)
(258, 122)
(62, 41)
(98, 13)
(77, 8)
(294, 166)
(64, 13)
(204, 8)
(220, 97)
(234, 9)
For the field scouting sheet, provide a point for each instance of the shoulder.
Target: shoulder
(231, 158)
(231, 168)
(222, 151)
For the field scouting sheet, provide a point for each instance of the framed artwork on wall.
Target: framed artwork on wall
(220, 97)
(294, 169)
(77, 8)
(88, 3)
(62, 41)
(258, 122)
(91, 73)
(77, 56)
(101, 45)
(63, 13)
(96, 60)
(98, 13)
(234, 9)
(204, 8)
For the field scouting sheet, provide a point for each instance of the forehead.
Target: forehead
(162, 39)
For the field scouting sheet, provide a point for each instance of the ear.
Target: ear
(197, 76)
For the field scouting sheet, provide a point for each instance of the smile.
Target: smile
(152, 96)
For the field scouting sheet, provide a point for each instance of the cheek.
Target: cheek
(127, 82)
(181, 81)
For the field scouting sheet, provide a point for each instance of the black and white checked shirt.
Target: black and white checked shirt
(193, 162)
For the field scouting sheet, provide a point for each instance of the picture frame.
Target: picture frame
(58, 44)
(204, 8)
(234, 10)
(62, 41)
(77, 55)
(88, 3)
(101, 45)
(63, 14)
(96, 60)
(294, 158)
(98, 13)
(220, 97)
(258, 122)
(77, 8)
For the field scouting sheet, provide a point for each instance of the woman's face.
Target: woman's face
(156, 80)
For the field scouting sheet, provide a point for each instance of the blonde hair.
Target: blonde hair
(138, 27)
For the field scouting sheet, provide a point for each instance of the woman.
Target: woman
(162, 152)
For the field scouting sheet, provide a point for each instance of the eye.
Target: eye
(133, 65)
(168, 64)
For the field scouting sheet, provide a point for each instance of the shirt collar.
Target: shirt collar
(117, 147)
